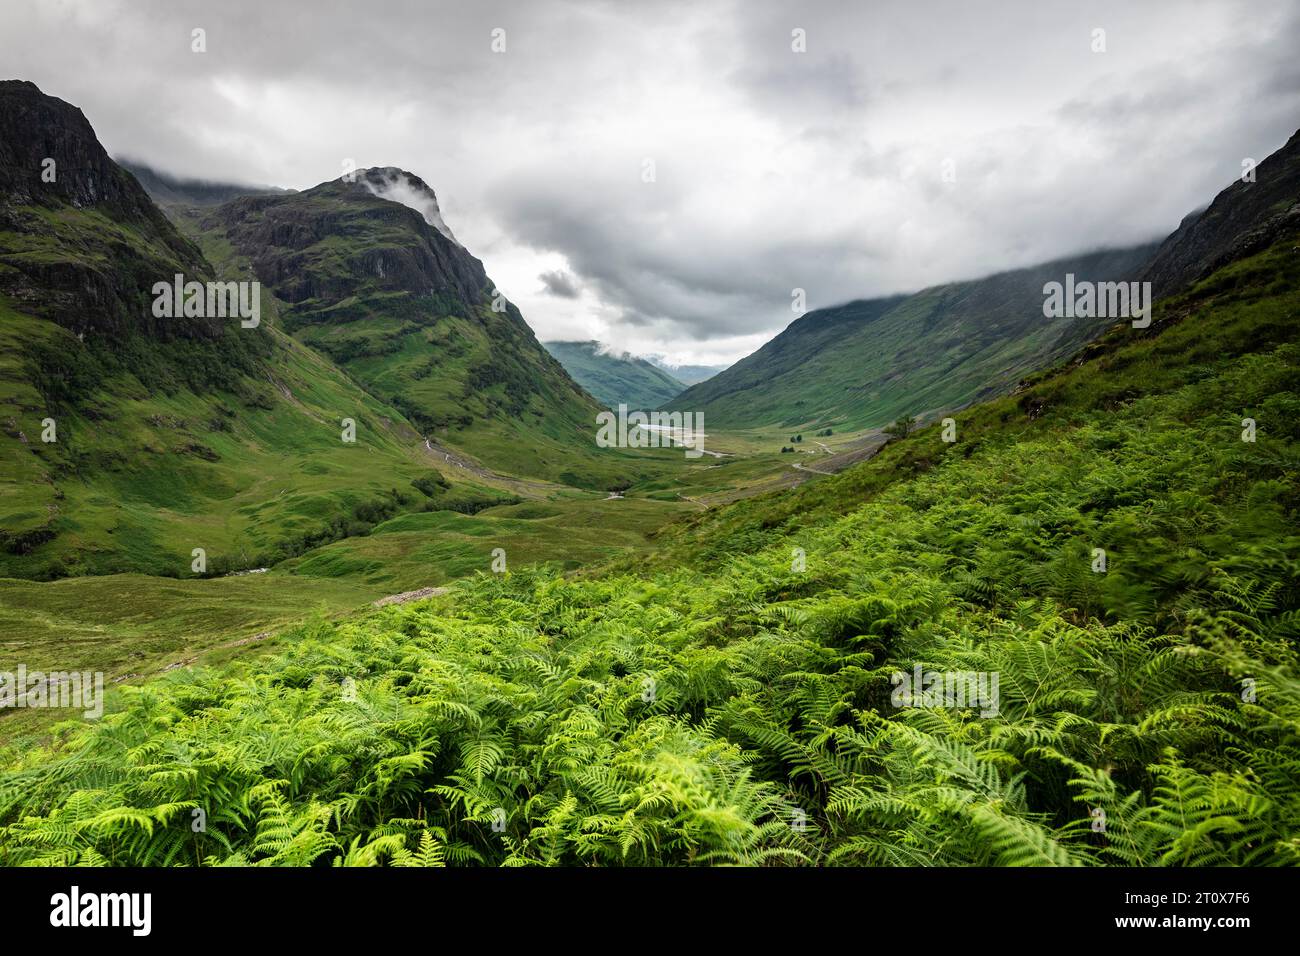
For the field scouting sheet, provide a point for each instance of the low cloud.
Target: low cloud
(560, 283)
(397, 186)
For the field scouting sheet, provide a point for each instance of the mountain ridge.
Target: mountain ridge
(165, 189)
(1242, 218)
(869, 361)
(90, 275)
(685, 373)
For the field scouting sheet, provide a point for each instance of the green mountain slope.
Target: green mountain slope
(386, 292)
(615, 379)
(736, 701)
(169, 434)
(867, 363)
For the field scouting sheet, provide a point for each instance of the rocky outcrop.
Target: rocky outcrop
(1243, 219)
(85, 243)
(340, 239)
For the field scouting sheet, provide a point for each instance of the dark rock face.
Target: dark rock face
(1243, 219)
(339, 239)
(35, 127)
(91, 243)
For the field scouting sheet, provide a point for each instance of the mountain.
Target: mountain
(687, 374)
(1245, 217)
(165, 189)
(1066, 638)
(616, 378)
(869, 362)
(128, 439)
(80, 242)
(371, 276)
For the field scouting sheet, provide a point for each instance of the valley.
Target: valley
(481, 633)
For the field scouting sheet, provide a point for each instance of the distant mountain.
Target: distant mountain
(687, 374)
(869, 362)
(164, 188)
(1244, 218)
(616, 378)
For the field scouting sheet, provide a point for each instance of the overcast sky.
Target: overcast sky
(773, 169)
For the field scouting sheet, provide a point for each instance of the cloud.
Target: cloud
(774, 169)
(395, 185)
(560, 283)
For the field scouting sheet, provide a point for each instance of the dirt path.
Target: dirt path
(524, 487)
(815, 471)
(408, 596)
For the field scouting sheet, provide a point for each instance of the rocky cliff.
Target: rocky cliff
(80, 241)
(1243, 219)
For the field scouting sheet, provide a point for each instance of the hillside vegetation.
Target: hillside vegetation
(731, 702)
(866, 363)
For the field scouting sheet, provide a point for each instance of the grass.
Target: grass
(134, 625)
(435, 548)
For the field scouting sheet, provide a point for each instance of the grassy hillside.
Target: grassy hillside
(867, 363)
(615, 379)
(168, 434)
(409, 313)
(140, 475)
(437, 548)
(733, 702)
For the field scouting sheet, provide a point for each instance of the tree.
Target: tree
(901, 428)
